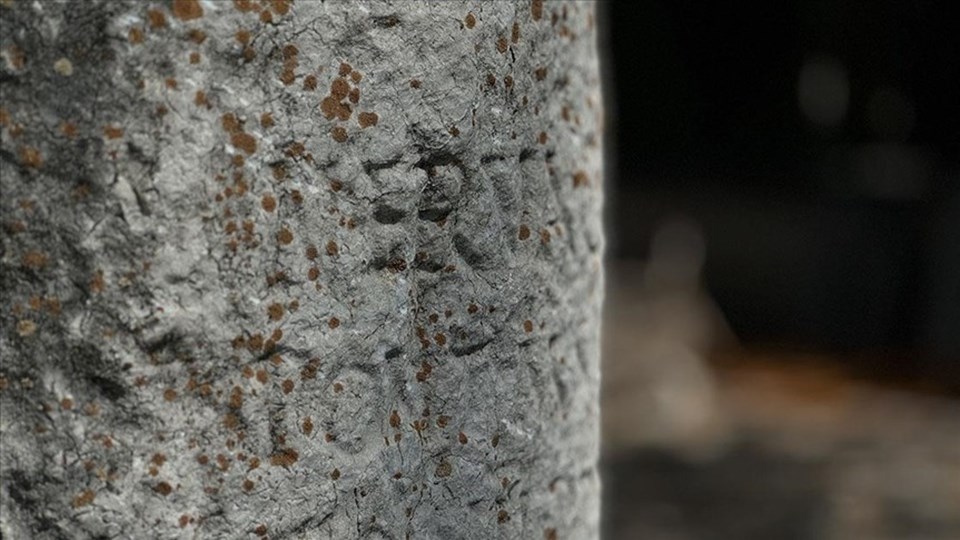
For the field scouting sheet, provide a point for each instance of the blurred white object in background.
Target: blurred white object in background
(659, 325)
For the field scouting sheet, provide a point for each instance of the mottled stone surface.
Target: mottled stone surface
(299, 269)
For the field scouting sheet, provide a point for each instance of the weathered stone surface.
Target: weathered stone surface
(299, 269)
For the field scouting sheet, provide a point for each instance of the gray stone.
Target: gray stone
(308, 270)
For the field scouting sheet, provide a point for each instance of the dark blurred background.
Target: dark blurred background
(817, 143)
(784, 215)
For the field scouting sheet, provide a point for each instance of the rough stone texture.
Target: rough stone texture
(299, 269)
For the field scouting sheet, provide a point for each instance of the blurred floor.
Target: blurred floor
(758, 444)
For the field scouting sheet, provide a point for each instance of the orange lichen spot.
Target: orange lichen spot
(244, 141)
(34, 259)
(236, 398)
(135, 35)
(255, 343)
(203, 459)
(262, 376)
(542, 138)
(242, 36)
(333, 323)
(424, 373)
(184, 520)
(261, 530)
(528, 326)
(354, 95)
(470, 20)
(287, 386)
(443, 420)
(186, 10)
(200, 99)
(523, 233)
(112, 132)
(339, 88)
(287, 76)
(501, 44)
(339, 134)
(503, 516)
(491, 80)
(4, 117)
(266, 17)
(266, 120)
(332, 249)
(356, 76)
(309, 371)
(367, 119)
(169, 394)
(97, 282)
(313, 273)
(335, 474)
(194, 57)
(284, 237)
(329, 106)
(343, 111)
(230, 123)
(440, 339)
(196, 35)
(536, 9)
(289, 51)
(30, 157)
(580, 179)
(268, 203)
(454, 131)
(540, 73)
(284, 458)
(508, 81)
(281, 7)
(415, 83)
(157, 18)
(307, 426)
(158, 459)
(84, 498)
(312, 252)
(310, 82)
(345, 69)
(275, 311)
(163, 488)
(462, 437)
(248, 485)
(515, 33)
(545, 236)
